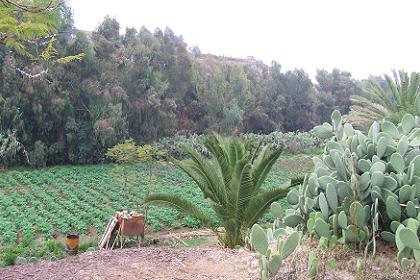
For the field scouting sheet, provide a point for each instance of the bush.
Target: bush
(88, 244)
(10, 253)
(364, 185)
(54, 246)
(22, 253)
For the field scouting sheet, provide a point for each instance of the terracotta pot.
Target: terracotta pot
(72, 243)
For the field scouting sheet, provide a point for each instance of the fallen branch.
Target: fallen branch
(31, 76)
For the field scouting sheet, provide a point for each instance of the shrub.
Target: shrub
(10, 253)
(54, 246)
(364, 185)
(289, 142)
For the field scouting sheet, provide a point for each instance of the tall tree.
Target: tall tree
(299, 110)
(334, 90)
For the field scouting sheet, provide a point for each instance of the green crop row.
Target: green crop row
(41, 203)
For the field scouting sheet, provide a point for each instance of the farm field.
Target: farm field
(41, 204)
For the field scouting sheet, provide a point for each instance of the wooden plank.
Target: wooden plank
(107, 234)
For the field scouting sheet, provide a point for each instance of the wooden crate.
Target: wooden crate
(133, 226)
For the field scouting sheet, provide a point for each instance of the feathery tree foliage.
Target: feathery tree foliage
(400, 96)
(29, 29)
(232, 180)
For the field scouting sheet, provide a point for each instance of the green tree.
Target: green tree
(223, 90)
(390, 102)
(333, 91)
(232, 181)
(127, 155)
(299, 110)
(263, 113)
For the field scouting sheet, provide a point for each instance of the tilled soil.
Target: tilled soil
(143, 263)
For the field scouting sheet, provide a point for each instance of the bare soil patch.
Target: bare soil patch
(296, 163)
(142, 263)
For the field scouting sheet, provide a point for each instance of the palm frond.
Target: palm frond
(257, 150)
(213, 144)
(240, 186)
(393, 86)
(182, 205)
(263, 166)
(390, 102)
(206, 169)
(263, 200)
(260, 203)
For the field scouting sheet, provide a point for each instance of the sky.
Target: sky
(360, 36)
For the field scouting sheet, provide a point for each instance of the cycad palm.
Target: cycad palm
(232, 182)
(379, 103)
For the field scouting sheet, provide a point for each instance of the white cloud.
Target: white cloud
(360, 36)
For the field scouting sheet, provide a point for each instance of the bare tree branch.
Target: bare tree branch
(38, 75)
(52, 5)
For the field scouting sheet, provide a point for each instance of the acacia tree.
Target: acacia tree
(29, 29)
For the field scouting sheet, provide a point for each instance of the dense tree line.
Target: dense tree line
(147, 85)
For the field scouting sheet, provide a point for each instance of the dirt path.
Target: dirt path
(142, 263)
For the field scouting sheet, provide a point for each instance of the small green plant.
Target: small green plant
(21, 260)
(54, 246)
(314, 266)
(272, 255)
(332, 264)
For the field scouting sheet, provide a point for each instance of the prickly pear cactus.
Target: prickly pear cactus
(271, 257)
(362, 184)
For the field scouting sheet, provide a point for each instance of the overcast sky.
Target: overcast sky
(361, 36)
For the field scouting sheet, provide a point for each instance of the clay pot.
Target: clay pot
(72, 243)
